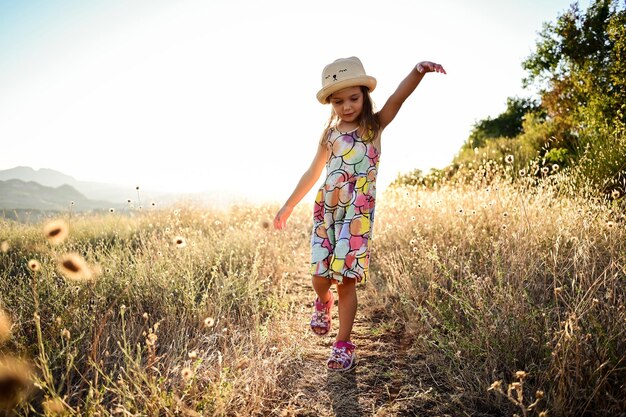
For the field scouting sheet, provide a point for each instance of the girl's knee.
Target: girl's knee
(348, 285)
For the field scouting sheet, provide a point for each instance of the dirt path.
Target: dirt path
(390, 378)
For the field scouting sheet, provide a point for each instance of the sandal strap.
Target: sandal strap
(343, 354)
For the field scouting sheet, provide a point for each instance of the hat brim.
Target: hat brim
(365, 80)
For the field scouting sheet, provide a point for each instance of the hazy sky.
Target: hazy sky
(189, 95)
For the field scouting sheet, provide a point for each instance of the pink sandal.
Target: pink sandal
(343, 353)
(321, 319)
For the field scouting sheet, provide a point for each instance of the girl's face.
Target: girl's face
(348, 103)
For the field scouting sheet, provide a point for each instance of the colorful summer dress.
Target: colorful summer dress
(343, 215)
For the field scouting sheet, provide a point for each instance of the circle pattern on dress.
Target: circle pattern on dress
(343, 213)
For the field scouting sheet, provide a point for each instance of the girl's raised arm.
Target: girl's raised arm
(308, 179)
(404, 90)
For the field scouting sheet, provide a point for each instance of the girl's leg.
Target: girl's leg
(321, 321)
(321, 286)
(347, 308)
(347, 312)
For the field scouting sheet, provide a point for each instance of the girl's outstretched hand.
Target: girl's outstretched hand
(427, 66)
(281, 217)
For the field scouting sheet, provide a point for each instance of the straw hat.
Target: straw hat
(343, 73)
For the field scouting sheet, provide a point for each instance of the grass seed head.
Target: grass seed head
(73, 267)
(34, 265)
(5, 327)
(186, 373)
(180, 242)
(56, 231)
(55, 407)
(65, 334)
(15, 381)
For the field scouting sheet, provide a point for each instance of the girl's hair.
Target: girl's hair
(368, 120)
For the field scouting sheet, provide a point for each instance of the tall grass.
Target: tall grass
(514, 288)
(181, 314)
(499, 277)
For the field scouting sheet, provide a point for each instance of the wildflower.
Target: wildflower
(415, 249)
(543, 414)
(193, 354)
(145, 316)
(151, 339)
(505, 214)
(15, 380)
(54, 406)
(495, 386)
(412, 218)
(4, 246)
(179, 241)
(72, 266)
(555, 167)
(209, 322)
(153, 204)
(509, 159)
(65, 334)
(520, 375)
(504, 227)
(610, 224)
(34, 265)
(545, 170)
(615, 194)
(522, 172)
(111, 210)
(5, 327)
(539, 394)
(56, 231)
(186, 373)
(412, 242)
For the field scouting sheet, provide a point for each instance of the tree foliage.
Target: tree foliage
(580, 66)
(507, 124)
(578, 70)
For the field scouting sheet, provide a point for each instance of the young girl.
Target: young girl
(344, 206)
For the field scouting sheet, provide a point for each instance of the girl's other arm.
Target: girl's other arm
(404, 90)
(309, 178)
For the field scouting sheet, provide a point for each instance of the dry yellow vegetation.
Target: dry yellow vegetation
(484, 299)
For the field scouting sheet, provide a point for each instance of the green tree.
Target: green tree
(580, 66)
(507, 125)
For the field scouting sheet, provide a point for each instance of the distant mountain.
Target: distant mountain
(52, 178)
(18, 194)
(44, 176)
(52, 188)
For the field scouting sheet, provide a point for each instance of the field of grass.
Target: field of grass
(515, 294)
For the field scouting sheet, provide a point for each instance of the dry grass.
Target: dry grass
(163, 312)
(514, 294)
(496, 279)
